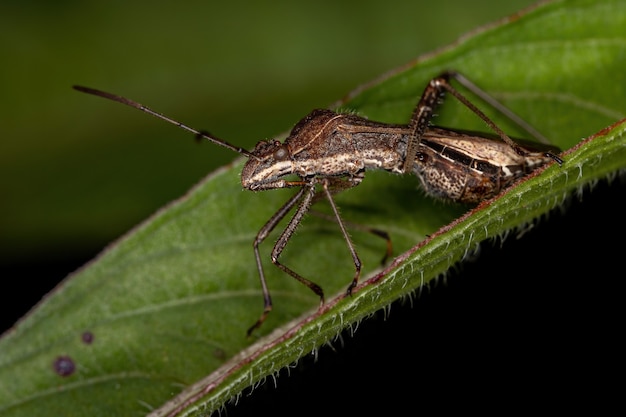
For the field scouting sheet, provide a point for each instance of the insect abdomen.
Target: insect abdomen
(454, 175)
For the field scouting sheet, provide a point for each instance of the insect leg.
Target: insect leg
(355, 257)
(308, 192)
(260, 237)
(351, 225)
(443, 82)
(431, 97)
(420, 120)
(487, 98)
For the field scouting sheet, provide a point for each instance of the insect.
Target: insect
(328, 152)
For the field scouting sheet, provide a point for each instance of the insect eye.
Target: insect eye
(281, 153)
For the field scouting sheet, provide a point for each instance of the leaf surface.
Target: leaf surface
(166, 308)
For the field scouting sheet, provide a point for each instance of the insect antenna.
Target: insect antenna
(197, 133)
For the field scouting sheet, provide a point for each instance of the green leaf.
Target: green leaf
(164, 311)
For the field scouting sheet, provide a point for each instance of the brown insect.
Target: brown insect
(329, 152)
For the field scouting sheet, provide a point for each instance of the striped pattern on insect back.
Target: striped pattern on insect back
(468, 168)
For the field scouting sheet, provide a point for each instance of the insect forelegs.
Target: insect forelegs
(307, 193)
(260, 237)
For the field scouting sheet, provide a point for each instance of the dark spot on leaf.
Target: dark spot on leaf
(219, 354)
(64, 366)
(87, 337)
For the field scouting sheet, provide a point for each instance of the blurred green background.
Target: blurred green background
(76, 172)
